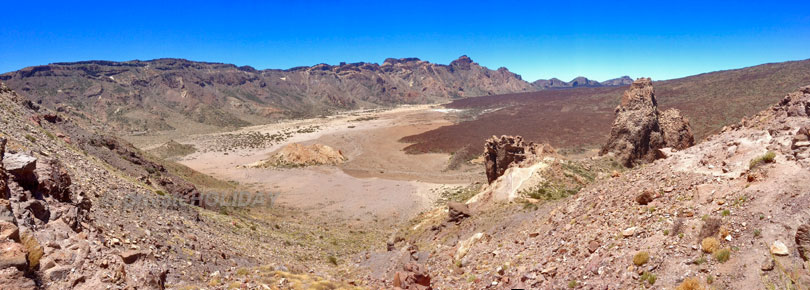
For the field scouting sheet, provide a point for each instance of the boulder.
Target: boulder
(130, 256)
(457, 211)
(644, 198)
(639, 129)
(21, 166)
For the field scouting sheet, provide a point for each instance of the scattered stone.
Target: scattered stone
(778, 248)
(629, 232)
(593, 246)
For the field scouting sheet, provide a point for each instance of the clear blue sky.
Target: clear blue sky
(599, 40)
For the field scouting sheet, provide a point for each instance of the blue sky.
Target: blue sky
(599, 40)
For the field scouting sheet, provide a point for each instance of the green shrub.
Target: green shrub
(765, 158)
(722, 255)
(641, 258)
(648, 277)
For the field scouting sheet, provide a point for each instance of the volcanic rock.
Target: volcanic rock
(21, 166)
(676, 130)
(413, 276)
(54, 180)
(457, 211)
(803, 241)
(13, 278)
(506, 151)
(639, 129)
(12, 254)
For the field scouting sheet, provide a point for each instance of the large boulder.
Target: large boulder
(639, 129)
(21, 166)
(506, 151)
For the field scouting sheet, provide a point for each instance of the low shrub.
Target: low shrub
(710, 245)
(768, 157)
(641, 258)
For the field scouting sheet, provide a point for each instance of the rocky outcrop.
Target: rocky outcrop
(639, 129)
(506, 151)
(414, 276)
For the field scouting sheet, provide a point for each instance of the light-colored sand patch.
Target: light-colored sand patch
(378, 181)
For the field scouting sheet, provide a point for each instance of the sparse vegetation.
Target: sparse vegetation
(768, 157)
(641, 258)
(709, 245)
(690, 284)
(573, 284)
(648, 277)
(722, 255)
(548, 190)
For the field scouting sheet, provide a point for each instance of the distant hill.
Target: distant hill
(164, 94)
(581, 117)
(579, 82)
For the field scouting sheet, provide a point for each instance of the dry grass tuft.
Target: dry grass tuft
(710, 245)
(641, 258)
(690, 284)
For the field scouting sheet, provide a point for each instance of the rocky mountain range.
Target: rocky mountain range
(164, 94)
(167, 94)
(555, 83)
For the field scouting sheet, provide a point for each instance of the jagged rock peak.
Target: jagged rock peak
(641, 93)
(640, 130)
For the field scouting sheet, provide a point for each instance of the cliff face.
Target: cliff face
(164, 94)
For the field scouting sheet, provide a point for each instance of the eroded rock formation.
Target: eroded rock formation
(506, 151)
(640, 129)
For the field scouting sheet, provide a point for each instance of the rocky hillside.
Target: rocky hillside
(166, 94)
(579, 82)
(79, 210)
(727, 213)
(581, 118)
